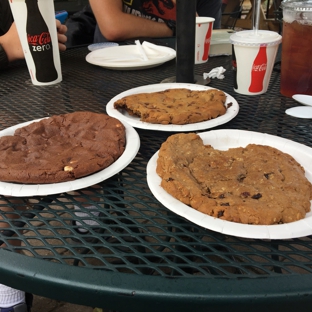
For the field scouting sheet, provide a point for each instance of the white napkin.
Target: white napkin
(215, 73)
(153, 50)
(141, 50)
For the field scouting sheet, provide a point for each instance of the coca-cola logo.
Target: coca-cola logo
(42, 39)
(259, 68)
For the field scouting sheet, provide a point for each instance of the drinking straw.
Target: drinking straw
(256, 15)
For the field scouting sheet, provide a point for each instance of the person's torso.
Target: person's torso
(6, 18)
(156, 10)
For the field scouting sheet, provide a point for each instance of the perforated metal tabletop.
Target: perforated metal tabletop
(141, 256)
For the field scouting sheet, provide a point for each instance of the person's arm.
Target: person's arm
(11, 44)
(116, 25)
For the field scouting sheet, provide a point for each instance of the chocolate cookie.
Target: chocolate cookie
(175, 106)
(252, 185)
(61, 148)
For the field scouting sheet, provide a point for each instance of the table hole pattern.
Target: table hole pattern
(137, 234)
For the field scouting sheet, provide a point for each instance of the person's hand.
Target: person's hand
(61, 30)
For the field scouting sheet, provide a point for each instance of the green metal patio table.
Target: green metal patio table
(141, 256)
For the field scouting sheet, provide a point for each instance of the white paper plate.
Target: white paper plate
(101, 45)
(24, 190)
(127, 57)
(223, 140)
(135, 121)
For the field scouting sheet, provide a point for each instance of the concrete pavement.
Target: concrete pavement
(42, 304)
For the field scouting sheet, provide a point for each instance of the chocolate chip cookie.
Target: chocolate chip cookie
(175, 106)
(61, 148)
(253, 185)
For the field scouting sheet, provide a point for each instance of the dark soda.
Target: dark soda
(296, 62)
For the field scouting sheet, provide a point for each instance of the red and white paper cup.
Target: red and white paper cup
(35, 23)
(203, 33)
(253, 57)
